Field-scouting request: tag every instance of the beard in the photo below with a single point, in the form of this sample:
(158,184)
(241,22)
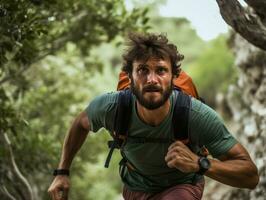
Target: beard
(151,103)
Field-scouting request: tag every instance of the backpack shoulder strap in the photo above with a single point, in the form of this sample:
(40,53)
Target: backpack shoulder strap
(123,113)
(180,122)
(180,118)
(121,122)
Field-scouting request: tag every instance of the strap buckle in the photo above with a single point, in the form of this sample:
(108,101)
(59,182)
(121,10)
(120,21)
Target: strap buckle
(114,144)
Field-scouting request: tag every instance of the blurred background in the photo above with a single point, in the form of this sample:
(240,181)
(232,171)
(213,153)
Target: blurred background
(55,56)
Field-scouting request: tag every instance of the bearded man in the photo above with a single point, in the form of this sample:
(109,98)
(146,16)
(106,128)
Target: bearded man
(165,170)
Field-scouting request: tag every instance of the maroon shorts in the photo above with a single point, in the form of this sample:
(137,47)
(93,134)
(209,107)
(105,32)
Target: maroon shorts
(178,192)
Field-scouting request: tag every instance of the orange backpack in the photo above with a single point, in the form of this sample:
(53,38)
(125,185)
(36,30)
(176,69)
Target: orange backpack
(183,82)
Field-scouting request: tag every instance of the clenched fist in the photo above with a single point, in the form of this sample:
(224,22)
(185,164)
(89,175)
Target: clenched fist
(59,188)
(181,157)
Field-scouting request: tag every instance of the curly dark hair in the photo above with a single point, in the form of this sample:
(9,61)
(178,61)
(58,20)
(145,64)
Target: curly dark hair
(144,46)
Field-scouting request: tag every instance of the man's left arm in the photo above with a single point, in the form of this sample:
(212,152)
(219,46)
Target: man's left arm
(235,168)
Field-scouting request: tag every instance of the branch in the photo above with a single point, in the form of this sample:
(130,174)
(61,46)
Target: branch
(7,193)
(259,7)
(17,172)
(247,25)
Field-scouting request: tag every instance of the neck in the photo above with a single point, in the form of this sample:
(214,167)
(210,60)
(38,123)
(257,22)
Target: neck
(153,117)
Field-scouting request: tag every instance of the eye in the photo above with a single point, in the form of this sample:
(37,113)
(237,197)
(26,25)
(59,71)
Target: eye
(143,70)
(162,70)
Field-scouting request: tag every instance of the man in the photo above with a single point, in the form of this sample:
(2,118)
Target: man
(162,170)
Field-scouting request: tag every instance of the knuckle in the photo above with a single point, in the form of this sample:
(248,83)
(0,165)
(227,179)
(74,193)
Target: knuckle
(177,142)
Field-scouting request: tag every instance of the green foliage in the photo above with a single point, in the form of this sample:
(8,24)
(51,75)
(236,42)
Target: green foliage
(49,105)
(30,31)
(38,94)
(214,70)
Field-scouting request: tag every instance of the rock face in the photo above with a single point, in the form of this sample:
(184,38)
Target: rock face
(247,101)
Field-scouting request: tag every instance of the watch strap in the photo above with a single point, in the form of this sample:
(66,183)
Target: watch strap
(202,171)
(61,172)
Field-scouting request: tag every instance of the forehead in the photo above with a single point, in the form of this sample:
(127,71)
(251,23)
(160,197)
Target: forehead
(153,61)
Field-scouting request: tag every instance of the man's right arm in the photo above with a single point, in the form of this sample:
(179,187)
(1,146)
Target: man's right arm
(72,143)
(74,139)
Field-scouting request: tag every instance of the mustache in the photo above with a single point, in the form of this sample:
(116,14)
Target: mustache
(152,88)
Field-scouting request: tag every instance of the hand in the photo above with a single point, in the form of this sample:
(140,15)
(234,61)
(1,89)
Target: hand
(58,190)
(181,157)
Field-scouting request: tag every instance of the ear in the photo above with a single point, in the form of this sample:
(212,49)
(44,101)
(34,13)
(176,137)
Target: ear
(129,75)
(129,78)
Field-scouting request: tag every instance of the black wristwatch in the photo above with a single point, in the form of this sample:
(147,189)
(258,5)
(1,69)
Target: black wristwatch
(204,165)
(61,172)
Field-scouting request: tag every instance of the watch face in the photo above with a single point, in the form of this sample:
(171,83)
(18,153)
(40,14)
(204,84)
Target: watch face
(205,163)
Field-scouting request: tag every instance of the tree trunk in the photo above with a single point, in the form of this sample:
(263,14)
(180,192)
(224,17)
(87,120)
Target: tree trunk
(247,102)
(247,98)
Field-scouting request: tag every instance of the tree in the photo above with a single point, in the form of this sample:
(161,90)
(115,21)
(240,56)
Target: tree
(30,30)
(247,97)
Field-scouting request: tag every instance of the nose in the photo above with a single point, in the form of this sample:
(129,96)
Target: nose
(152,78)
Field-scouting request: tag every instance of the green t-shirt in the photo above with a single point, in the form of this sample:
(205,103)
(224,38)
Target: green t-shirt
(149,158)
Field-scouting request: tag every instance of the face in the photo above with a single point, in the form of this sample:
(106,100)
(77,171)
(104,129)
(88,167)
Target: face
(151,82)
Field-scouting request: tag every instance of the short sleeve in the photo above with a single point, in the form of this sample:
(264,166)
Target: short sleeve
(210,129)
(217,139)
(101,111)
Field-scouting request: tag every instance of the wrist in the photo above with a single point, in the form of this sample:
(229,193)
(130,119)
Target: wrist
(64,172)
(204,164)
(197,167)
